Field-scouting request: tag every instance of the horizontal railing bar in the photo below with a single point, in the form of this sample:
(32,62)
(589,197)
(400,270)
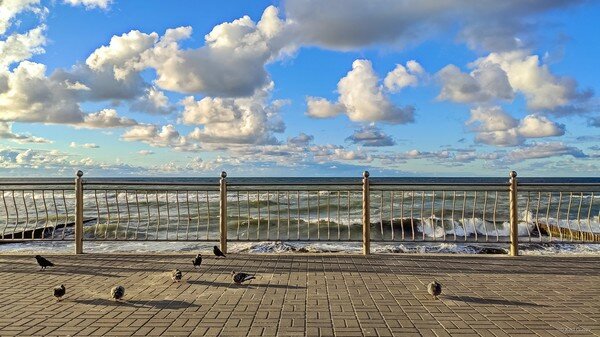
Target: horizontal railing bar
(144,183)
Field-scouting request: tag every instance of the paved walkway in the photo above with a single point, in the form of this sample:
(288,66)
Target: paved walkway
(303,295)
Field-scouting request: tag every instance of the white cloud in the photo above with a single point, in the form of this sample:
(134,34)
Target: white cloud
(145,152)
(402,77)
(165,136)
(89,3)
(362,98)
(122,53)
(20,47)
(541,88)
(31,97)
(153,102)
(231,63)
(329,153)
(10,9)
(318,107)
(106,118)
(251,120)
(85,145)
(483,84)
(496,127)
(536,126)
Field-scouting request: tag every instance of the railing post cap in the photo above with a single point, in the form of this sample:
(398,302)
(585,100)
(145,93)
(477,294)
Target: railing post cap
(79,173)
(513,174)
(366,174)
(223,174)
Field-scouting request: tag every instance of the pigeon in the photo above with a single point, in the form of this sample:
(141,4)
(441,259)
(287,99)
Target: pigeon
(240,278)
(434,289)
(117,293)
(176,275)
(43,262)
(197,261)
(59,292)
(218,252)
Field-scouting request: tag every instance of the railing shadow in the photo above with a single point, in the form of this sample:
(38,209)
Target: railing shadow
(248,285)
(158,304)
(479,300)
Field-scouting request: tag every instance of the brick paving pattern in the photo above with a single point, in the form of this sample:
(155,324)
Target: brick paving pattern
(303,295)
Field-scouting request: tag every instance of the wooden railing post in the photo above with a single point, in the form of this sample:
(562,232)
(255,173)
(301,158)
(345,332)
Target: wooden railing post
(514,217)
(223,211)
(366,209)
(79,213)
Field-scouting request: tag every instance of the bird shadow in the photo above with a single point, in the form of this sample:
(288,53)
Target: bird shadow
(247,285)
(157,304)
(479,300)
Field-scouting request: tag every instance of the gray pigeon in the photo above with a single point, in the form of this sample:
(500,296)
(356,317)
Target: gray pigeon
(197,261)
(434,289)
(218,252)
(117,292)
(240,278)
(59,292)
(43,262)
(176,275)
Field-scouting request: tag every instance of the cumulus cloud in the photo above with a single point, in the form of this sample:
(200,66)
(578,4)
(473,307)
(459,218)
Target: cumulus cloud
(371,136)
(502,75)
(10,9)
(165,136)
(153,102)
(481,85)
(402,76)
(88,4)
(318,107)
(31,97)
(363,99)
(122,53)
(20,47)
(231,63)
(145,152)
(250,120)
(494,126)
(106,118)
(545,150)
(541,88)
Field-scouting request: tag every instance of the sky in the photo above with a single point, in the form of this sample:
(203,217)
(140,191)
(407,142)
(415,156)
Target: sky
(299,88)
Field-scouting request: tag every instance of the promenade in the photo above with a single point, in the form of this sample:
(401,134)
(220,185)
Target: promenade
(302,295)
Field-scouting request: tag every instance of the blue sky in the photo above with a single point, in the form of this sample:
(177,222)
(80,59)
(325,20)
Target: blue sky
(299,88)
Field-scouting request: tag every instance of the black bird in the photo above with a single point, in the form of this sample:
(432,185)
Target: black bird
(59,292)
(218,252)
(434,289)
(240,278)
(43,262)
(197,261)
(176,275)
(117,292)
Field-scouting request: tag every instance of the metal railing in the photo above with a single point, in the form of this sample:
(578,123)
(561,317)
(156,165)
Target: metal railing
(301,210)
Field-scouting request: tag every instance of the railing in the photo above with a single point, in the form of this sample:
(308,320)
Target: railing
(367,211)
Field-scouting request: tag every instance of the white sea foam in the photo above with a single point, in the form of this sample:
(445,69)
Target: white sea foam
(63,247)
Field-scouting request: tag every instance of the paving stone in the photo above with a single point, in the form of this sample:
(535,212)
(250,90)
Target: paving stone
(303,295)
